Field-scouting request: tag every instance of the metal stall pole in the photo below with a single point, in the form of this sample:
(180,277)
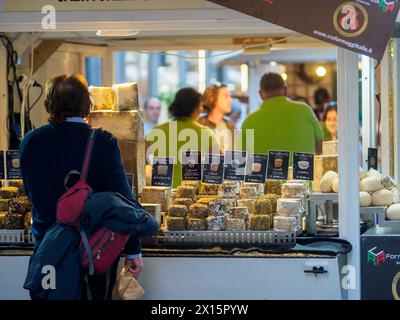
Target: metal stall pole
(396,118)
(349,204)
(368,106)
(3,99)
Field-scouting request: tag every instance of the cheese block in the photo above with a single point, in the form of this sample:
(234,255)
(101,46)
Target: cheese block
(229,189)
(273,198)
(285,223)
(8,192)
(259,186)
(293,190)
(154,209)
(248,203)
(218,207)
(235,224)
(323,164)
(239,213)
(335,185)
(209,189)
(192,183)
(3,219)
(273,187)
(159,195)
(288,207)
(260,222)
(183,201)
(247,192)
(185,192)
(231,202)
(20,205)
(27,220)
(176,223)
(371,184)
(198,210)
(393,212)
(382,197)
(326,183)
(330,148)
(263,206)
(16,183)
(14,221)
(4,204)
(216,223)
(365,199)
(180,211)
(127,96)
(104,98)
(197,224)
(206,199)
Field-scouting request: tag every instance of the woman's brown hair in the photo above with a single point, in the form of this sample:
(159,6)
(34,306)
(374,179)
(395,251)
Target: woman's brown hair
(67,96)
(210,96)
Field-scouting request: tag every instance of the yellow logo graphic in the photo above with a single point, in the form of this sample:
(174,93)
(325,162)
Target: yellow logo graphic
(350,19)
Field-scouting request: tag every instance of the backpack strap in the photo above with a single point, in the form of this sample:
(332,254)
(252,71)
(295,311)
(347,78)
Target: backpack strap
(88,250)
(88,153)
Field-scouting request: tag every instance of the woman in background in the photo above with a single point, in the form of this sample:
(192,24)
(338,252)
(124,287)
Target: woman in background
(181,134)
(329,124)
(217,103)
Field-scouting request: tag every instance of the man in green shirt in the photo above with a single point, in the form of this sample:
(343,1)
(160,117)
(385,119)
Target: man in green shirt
(280,124)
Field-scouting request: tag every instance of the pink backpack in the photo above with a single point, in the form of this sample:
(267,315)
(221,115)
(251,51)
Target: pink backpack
(101,249)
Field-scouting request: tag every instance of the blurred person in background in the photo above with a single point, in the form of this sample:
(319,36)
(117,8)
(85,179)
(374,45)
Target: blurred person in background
(217,103)
(236,113)
(280,123)
(330,124)
(151,111)
(189,136)
(321,100)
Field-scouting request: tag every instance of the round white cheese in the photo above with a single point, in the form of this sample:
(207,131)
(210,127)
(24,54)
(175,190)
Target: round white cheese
(382,197)
(365,199)
(335,185)
(393,212)
(288,207)
(327,181)
(371,184)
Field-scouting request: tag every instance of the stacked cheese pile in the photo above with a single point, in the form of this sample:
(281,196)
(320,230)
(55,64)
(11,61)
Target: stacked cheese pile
(326,168)
(156,200)
(15,207)
(290,206)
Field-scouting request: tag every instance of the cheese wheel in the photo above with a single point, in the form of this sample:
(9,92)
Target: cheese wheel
(327,181)
(365,199)
(371,184)
(288,207)
(335,185)
(393,212)
(382,197)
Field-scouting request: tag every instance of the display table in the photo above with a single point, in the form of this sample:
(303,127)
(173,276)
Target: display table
(214,274)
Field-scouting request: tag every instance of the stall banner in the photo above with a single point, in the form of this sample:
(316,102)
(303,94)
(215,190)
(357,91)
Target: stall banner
(235,165)
(213,169)
(256,170)
(2,172)
(303,166)
(363,26)
(278,165)
(13,165)
(191,165)
(163,171)
(101,5)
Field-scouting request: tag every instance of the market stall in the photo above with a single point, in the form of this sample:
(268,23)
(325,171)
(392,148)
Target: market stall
(224,240)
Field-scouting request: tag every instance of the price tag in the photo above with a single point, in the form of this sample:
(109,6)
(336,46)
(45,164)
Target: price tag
(235,165)
(13,165)
(256,169)
(213,169)
(278,165)
(163,170)
(191,165)
(303,166)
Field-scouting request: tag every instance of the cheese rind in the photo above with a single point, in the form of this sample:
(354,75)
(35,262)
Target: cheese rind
(229,189)
(8,192)
(218,207)
(176,223)
(192,183)
(198,210)
(285,223)
(249,203)
(273,187)
(382,197)
(365,199)
(179,211)
(330,148)
(196,224)
(183,201)
(154,209)
(239,213)
(160,195)
(288,207)
(263,206)
(259,186)
(371,184)
(216,223)
(186,192)
(323,164)
(209,189)
(248,192)
(14,221)
(19,205)
(235,224)
(293,190)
